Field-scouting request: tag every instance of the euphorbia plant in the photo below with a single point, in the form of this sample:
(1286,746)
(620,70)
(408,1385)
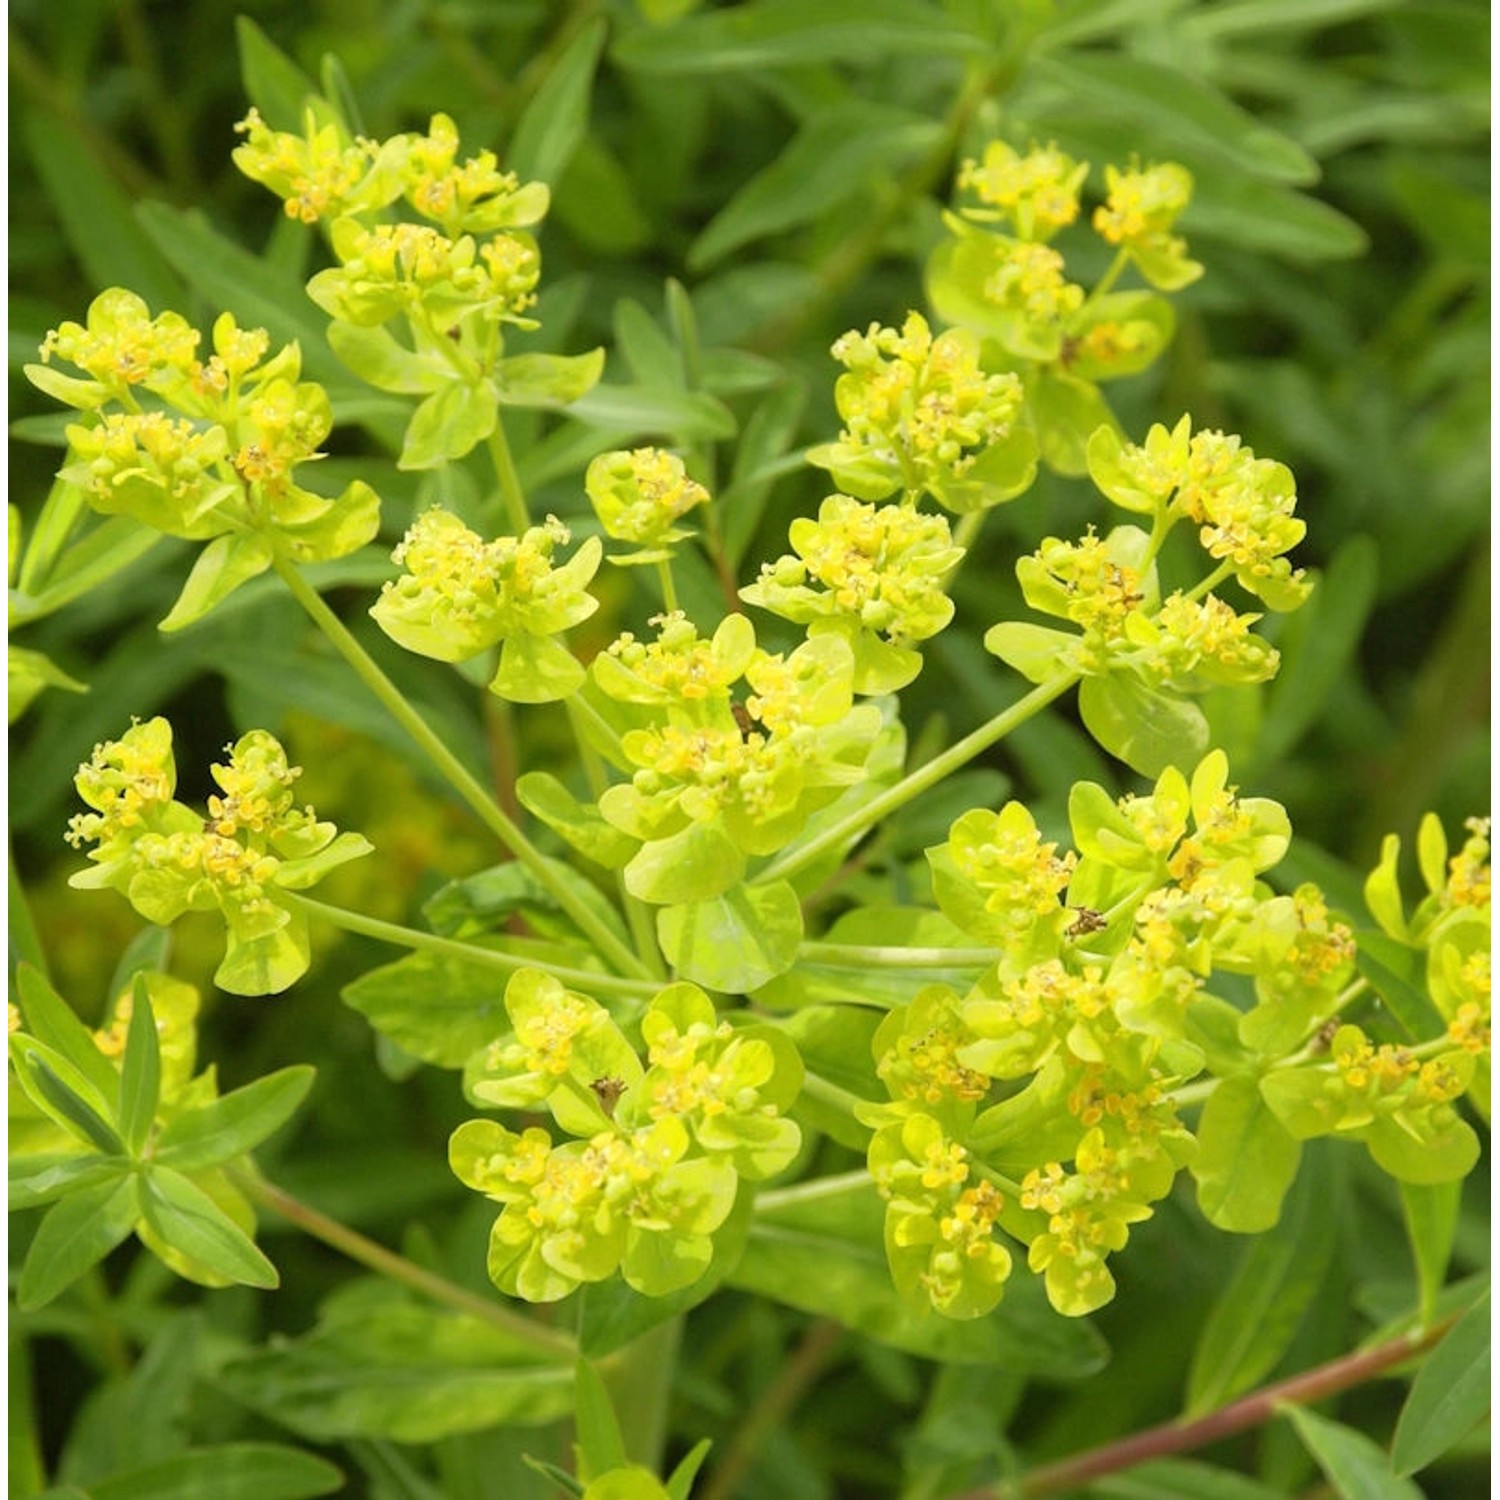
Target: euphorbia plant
(994,1068)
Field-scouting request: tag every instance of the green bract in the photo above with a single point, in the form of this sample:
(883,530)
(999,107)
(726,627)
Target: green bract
(461,595)
(221,471)
(167,859)
(872,575)
(708,791)
(921,416)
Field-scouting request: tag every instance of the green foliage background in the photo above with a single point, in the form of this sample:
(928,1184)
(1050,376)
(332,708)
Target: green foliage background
(786,163)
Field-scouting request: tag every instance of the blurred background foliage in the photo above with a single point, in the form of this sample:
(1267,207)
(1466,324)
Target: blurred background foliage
(786,163)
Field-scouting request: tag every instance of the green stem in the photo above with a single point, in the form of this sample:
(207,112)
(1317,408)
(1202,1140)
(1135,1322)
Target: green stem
(1214,579)
(834,1097)
(799,856)
(1182,1437)
(457,774)
(784,1392)
(810,1192)
(397,1268)
(511,492)
(469,953)
(641,1389)
(1105,283)
(861,955)
(637,915)
(668,587)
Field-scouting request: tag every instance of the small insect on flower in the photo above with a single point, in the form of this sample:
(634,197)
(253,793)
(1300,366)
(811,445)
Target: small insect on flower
(608,1091)
(1085,921)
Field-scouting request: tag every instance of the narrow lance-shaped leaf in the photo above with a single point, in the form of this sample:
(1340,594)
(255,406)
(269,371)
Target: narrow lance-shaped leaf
(1354,1465)
(74,1237)
(140,1072)
(600,1446)
(240,1121)
(64,1095)
(186,1218)
(1450,1395)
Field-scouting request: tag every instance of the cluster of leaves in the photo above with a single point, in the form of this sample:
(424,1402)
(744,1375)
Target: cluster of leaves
(1018,1060)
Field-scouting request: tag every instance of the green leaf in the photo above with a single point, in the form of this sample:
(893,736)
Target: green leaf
(75,1236)
(600,1446)
(735,942)
(65,1095)
(1394,971)
(102,552)
(96,214)
(557,118)
(448,424)
(48,534)
(228,1471)
(52,1020)
(651,411)
(1272,220)
(1192,115)
(830,160)
(547,381)
(378,358)
(577,823)
(37,1180)
(228,1127)
(221,567)
(382,1364)
(1260,1309)
(1430,1211)
(1180,1479)
(697,864)
(1147,729)
(233,279)
(183,1216)
(1246,1158)
(680,1480)
(796,32)
(822,1249)
(612,1314)
(435,1007)
(759,457)
(1353,1464)
(274,84)
(140,1071)
(1317,647)
(1450,1395)
(29,674)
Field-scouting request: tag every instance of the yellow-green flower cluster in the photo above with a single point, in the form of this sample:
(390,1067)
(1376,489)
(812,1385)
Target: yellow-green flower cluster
(1029,281)
(1037,194)
(940,1219)
(662,1147)
(1452,924)
(120,347)
(221,464)
(1138,214)
(1089,1212)
(714,779)
(460,595)
(418,308)
(320,173)
(1094,1009)
(392,269)
(1396,1099)
(639,496)
(473,196)
(1244,506)
(873,575)
(167,859)
(921,416)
